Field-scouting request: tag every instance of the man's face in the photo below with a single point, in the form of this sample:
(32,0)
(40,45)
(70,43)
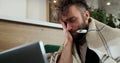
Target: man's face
(74,20)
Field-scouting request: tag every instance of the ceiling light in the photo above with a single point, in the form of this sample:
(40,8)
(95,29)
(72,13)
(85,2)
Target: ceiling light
(54,1)
(108,3)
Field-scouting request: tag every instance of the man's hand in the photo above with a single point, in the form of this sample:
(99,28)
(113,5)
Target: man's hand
(68,36)
(66,55)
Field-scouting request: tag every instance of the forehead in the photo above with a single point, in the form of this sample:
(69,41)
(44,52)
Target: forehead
(72,11)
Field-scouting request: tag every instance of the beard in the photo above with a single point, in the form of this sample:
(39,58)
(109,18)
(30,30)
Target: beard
(78,36)
(75,34)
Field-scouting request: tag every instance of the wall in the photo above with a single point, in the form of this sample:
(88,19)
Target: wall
(32,9)
(114,8)
(13,34)
(36,9)
(111,9)
(92,3)
(15,8)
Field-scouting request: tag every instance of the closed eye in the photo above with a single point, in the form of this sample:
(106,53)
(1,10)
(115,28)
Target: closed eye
(73,19)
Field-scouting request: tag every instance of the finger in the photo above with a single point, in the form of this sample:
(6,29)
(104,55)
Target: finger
(63,25)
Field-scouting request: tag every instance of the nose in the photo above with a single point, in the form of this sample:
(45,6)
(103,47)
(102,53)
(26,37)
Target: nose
(69,27)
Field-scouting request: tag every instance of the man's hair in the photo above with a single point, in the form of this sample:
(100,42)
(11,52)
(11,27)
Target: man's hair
(63,5)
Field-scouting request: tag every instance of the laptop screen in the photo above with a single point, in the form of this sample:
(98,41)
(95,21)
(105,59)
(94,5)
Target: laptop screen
(29,53)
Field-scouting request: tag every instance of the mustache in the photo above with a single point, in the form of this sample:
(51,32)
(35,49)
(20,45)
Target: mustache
(72,31)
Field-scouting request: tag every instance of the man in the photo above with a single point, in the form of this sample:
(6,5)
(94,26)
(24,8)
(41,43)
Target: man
(74,17)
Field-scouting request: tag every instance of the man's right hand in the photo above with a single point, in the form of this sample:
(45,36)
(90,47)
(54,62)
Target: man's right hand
(66,55)
(67,35)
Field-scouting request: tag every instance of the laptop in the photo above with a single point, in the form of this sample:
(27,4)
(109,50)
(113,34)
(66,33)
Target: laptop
(28,53)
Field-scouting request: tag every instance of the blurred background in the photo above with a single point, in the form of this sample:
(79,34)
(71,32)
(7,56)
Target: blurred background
(106,11)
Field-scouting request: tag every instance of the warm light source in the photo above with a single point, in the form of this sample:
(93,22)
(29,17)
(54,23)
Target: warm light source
(54,1)
(108,3)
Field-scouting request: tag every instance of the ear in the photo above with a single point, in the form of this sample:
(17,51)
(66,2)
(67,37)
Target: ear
(86,16)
